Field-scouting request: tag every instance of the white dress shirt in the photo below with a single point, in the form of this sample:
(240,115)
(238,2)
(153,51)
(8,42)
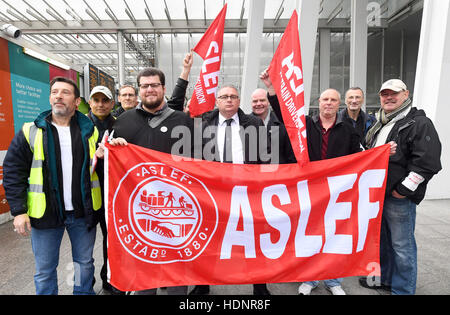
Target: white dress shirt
(237,149)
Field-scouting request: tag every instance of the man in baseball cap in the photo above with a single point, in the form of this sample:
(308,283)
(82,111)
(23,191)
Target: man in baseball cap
(101,102)
(395,85)
(415,161)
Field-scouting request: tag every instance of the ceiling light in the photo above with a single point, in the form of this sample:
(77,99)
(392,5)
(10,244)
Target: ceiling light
(42,57)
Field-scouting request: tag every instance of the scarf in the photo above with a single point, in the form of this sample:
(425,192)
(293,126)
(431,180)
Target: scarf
(384,119)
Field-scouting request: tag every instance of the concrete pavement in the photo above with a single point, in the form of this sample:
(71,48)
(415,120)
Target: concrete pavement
(432,235)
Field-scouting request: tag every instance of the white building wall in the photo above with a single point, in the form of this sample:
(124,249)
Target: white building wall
(433,82)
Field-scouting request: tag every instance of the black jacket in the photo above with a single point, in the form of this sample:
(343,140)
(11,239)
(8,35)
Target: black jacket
(177,99)
(418,150)
(175,102)
(134,125)
(343,139)
(102,125)
(118,111)
(361,125)
(255,151)
(277,133)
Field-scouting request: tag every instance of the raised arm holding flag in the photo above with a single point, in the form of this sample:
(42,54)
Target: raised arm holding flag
(286,74)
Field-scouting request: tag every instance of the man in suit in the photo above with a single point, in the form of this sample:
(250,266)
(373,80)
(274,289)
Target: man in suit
(245,131)
(229,121)
(276,131)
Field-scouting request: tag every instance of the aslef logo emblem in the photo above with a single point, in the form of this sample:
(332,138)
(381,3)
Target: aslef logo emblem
(162,221)
(164,213)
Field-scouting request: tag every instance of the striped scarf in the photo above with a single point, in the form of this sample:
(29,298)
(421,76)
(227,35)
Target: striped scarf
(384,119)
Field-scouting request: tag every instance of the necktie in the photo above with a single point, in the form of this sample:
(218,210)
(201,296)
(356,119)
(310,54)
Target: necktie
(227,145)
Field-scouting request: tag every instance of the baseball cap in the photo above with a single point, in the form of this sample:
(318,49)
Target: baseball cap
(395,85)
(101,89)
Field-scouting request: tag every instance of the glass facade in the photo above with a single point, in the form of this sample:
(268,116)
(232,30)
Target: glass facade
(392,53)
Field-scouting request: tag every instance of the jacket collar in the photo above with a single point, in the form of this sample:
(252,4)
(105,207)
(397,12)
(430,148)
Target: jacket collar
(141,110)
(44,120)
(339,119)
(214,116)
(344,114)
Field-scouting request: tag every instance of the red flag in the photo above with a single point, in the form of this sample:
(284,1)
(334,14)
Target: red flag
(174,222)
(210,49)
(286,74)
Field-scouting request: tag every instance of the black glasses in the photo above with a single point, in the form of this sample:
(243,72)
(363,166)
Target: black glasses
(225,97)
(152,85)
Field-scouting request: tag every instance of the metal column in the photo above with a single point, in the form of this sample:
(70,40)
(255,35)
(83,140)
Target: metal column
(121,52)
(358,45)
(325,62)
(251,70)
(308,22)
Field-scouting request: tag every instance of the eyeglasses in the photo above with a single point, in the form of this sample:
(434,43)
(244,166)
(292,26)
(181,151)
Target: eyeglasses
(225,97)
(152,85)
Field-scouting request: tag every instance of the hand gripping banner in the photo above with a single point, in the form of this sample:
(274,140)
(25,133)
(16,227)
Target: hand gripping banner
(173,223)
(286,74)
(210,49)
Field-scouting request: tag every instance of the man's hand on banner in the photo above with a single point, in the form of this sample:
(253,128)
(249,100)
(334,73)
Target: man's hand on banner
(267,82)
(393,148)
(100,153)
(118,141)
(187,65)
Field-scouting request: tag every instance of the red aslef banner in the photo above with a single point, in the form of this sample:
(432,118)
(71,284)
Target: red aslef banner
(210,49)
(173,222)
(286,74)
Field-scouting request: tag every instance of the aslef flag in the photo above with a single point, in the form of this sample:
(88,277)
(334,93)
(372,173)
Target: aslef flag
(173,223)
(286,74)
(210,49)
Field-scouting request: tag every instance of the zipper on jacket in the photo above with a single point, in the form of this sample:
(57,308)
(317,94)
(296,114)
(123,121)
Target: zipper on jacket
(408,124)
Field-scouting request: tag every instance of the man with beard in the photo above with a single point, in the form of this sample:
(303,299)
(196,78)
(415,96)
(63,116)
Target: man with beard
(50,189)
(150,125)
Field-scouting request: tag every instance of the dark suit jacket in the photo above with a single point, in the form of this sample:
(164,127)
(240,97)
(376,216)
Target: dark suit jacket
(278,136)
(253,137)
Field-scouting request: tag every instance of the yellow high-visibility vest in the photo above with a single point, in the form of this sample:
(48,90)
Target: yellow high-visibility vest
(36,200)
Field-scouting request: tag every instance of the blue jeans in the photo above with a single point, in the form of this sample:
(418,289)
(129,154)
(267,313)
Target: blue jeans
(398,250)
(46,244)
(329,283)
